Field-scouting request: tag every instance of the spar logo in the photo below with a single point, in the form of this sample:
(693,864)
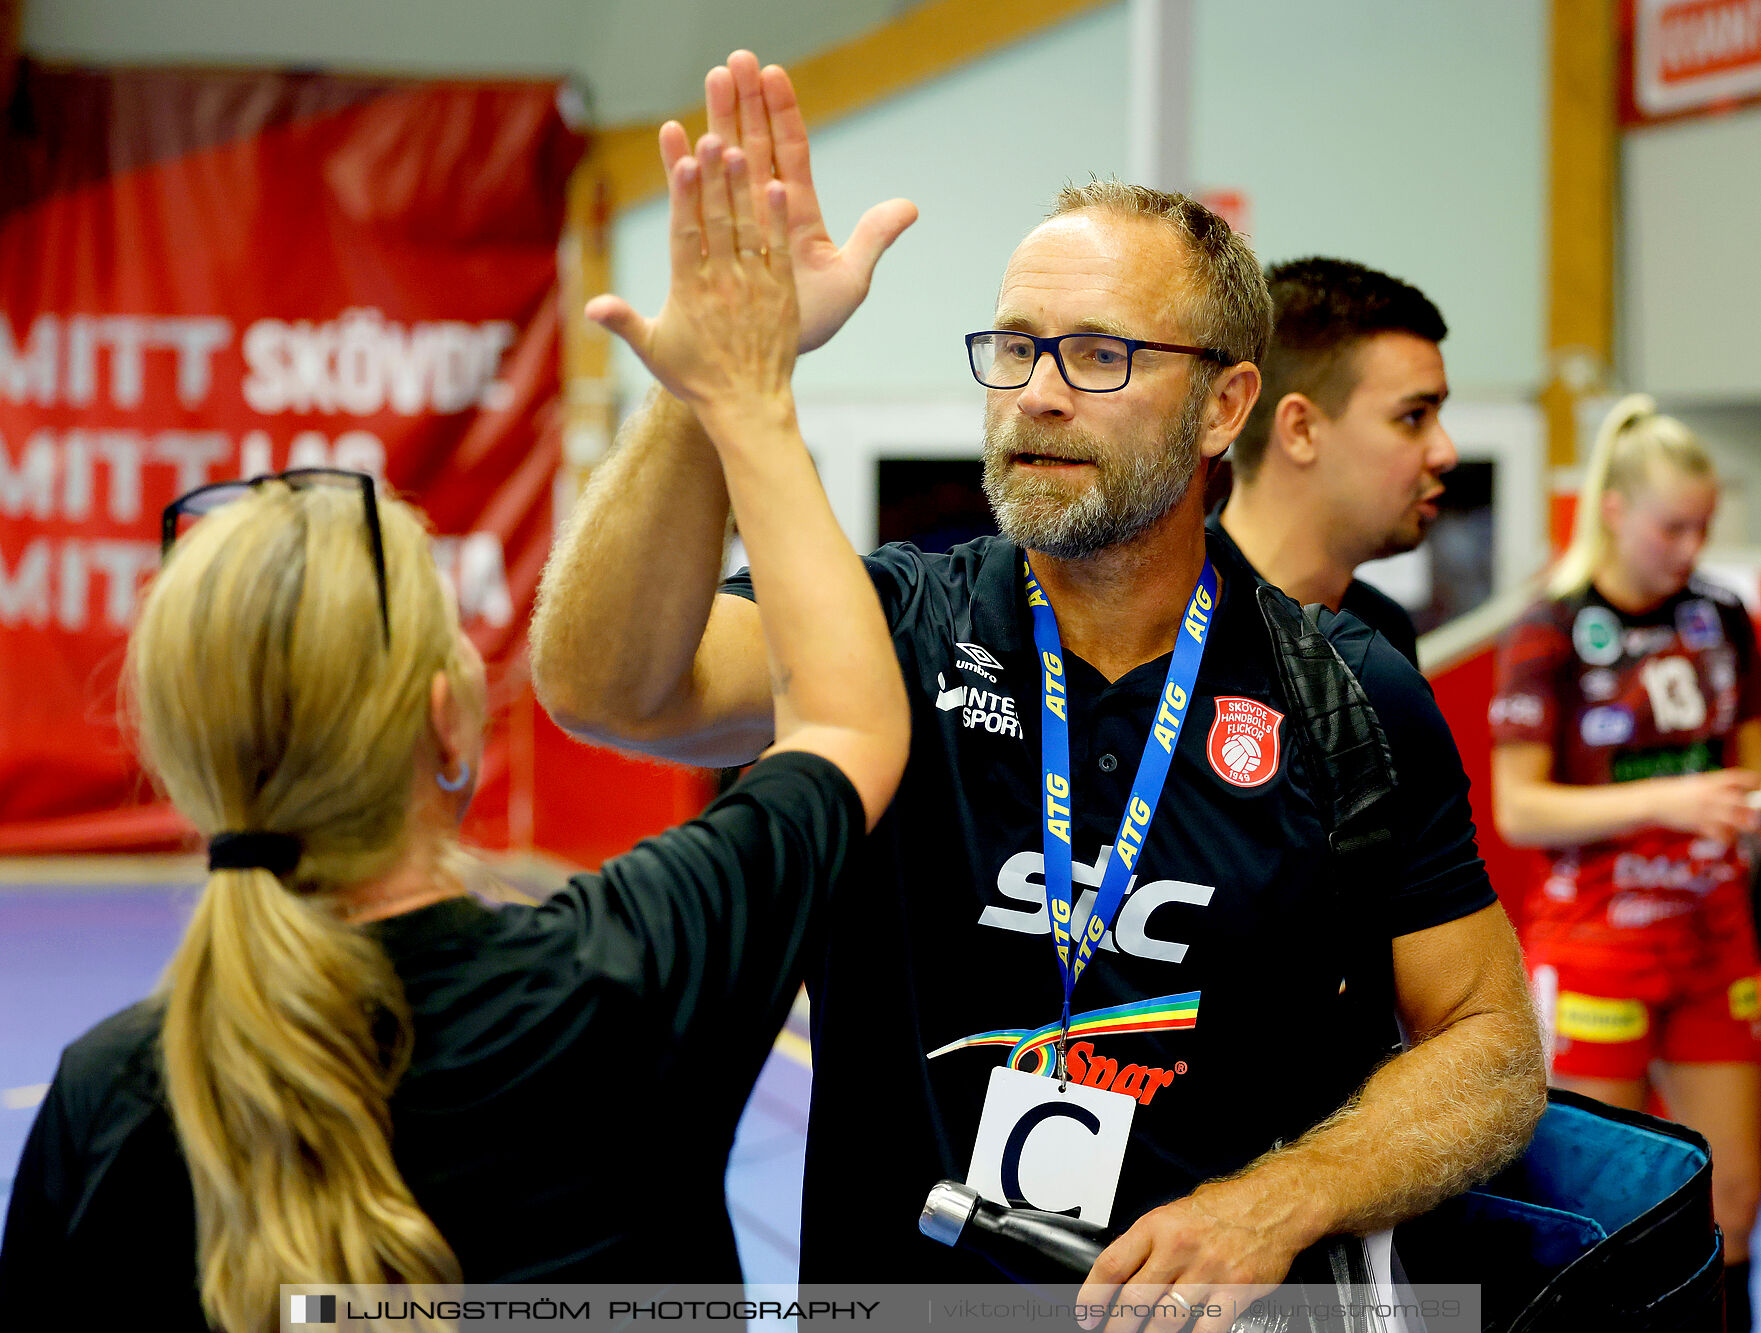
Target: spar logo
(1035,1049)
(1243,747)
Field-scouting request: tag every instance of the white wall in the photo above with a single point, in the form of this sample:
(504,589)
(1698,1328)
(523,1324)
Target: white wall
(1690,292)
(387,35)
(646,58)
(1409,136)
(1066,91)
(1691,253)
(640,61)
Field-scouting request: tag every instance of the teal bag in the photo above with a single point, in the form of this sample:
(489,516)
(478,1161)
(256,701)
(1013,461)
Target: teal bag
(1604,1223)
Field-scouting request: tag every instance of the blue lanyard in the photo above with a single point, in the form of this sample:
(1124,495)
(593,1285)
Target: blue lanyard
(1146,788)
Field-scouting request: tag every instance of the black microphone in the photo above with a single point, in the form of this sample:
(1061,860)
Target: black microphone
(1016,1240)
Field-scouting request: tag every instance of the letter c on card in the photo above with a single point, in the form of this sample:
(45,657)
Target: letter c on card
(1017,1141)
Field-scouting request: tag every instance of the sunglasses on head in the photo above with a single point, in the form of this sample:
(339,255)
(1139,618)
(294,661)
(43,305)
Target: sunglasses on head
(205,499)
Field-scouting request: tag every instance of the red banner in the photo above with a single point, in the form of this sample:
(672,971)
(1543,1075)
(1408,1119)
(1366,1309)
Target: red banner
(213,275)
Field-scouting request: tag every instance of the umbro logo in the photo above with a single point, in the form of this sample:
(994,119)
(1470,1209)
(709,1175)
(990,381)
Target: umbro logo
(982,662)
(980,655)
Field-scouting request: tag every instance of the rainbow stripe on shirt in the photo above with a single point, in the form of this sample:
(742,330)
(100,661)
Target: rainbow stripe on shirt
(1165,1013)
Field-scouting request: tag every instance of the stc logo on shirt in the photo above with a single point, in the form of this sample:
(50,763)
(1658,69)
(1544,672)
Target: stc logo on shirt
(1022,879)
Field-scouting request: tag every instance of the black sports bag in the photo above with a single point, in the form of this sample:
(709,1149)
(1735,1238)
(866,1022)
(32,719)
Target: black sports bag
(1605,1222)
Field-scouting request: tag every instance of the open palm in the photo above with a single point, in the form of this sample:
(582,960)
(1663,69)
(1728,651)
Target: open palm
(756,111)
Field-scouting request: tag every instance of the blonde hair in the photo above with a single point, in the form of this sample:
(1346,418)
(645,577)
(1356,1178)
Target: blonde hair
(266,700)
(1633,439)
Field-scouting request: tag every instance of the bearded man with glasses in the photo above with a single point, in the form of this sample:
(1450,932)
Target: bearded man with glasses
(1022,857)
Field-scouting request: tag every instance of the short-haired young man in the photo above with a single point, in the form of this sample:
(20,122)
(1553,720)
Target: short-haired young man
(1342,458)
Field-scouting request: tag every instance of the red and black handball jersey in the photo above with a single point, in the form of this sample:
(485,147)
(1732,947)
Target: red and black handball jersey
(1618,698)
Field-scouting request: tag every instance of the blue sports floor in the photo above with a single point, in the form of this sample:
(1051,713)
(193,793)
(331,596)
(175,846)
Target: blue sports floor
(72,952)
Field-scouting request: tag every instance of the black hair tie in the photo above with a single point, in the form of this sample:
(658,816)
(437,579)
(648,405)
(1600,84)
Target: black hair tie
(277,853)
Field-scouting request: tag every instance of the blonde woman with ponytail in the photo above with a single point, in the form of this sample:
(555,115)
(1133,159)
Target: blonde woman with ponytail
(355,1072)
(1627,742)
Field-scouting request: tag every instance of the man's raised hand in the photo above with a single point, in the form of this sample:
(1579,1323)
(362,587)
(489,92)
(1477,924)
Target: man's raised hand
(725,339)
(756,110)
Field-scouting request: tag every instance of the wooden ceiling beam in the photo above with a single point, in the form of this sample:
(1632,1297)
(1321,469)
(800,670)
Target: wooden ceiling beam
(1582,170)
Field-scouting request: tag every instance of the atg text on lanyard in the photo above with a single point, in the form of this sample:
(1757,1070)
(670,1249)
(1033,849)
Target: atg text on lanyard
(1146,788)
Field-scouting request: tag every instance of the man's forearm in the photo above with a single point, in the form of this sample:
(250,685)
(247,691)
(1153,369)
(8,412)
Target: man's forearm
(607,646)
(1426,1125)
(834,678)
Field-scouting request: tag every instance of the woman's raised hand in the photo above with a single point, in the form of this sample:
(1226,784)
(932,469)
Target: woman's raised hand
(725,338)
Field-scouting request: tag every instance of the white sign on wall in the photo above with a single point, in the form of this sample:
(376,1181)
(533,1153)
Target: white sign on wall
(1693,53)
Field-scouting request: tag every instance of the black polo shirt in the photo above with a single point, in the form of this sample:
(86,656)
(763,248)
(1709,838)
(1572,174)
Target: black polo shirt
(578,1071)
(1371,605)
(1384,615)
(940,932)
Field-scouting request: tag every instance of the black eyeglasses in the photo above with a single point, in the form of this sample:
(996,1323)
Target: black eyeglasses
(206,499)
(1091,362)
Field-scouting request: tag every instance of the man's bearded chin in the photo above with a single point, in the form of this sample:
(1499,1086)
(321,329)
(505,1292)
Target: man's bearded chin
(1123,499)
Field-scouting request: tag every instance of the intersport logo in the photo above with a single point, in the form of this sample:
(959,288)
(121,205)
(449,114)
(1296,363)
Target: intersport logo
(980,709)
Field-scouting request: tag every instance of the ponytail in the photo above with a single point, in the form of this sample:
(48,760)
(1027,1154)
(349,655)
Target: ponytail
(1632,438)
(285,1032)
